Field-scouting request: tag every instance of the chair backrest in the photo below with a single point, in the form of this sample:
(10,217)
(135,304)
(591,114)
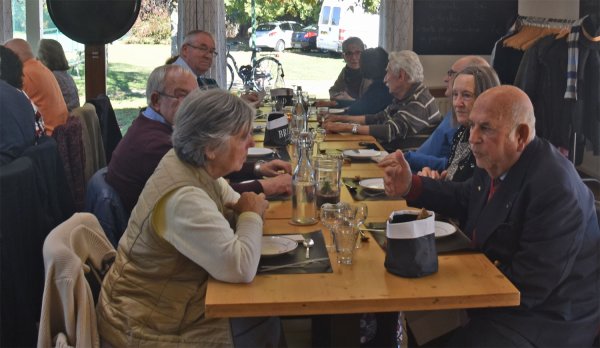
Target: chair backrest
(95,158)
(68,137)
(111,133)
(103,201)
(68,305)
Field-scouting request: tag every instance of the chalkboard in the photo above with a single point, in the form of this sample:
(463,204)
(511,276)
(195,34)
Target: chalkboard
(460,27)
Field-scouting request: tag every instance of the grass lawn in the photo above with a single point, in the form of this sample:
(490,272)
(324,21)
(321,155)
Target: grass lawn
(130,65)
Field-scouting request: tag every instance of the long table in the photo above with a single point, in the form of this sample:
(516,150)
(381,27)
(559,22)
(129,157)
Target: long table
(464,280)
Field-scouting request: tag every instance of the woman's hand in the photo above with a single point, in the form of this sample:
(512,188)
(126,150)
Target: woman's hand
(275,167)
(434,174)
(250,201)
(277,185)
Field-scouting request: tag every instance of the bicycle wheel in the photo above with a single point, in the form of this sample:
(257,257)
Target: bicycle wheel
(230,76)
(265,72)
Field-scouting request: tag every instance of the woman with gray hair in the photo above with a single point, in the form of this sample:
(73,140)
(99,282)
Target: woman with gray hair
(189,224)
(468,85)
(51,53)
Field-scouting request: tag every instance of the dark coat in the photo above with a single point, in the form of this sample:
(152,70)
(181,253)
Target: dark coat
(540,228)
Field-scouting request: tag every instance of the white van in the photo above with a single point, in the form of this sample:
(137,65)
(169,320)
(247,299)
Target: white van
(341,19)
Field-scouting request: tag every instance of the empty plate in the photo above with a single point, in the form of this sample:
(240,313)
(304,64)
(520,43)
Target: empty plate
(259,151)
(374,184)
(443,229)
(276,245)
(361,153)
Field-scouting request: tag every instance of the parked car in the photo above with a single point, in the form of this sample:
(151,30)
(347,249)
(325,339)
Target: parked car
(275,35)
(305,39)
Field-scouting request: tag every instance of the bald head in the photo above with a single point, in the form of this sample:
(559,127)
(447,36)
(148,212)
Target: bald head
(459,65)
(21,48)
(512,105)
(502,125)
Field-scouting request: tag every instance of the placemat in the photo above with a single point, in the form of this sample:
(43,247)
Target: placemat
(317,252)
(454,242)
(360,194)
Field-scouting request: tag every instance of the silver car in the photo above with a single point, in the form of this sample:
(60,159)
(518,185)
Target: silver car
(275,35)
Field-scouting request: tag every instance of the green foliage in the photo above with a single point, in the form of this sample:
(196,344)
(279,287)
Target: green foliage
(153,28)
(18,12)
(302,11)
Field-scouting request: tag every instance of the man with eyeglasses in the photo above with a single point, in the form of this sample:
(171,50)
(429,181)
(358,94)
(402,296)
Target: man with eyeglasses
(148,139)
(434,152)
(350,82)
(197,53)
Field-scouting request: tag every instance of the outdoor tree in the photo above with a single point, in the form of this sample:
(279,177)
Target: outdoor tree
(302,11)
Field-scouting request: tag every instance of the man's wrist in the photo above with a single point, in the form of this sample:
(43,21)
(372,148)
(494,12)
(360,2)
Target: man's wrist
(257,172)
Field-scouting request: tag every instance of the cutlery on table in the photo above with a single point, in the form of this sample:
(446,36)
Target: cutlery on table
(292,265)
(308,243)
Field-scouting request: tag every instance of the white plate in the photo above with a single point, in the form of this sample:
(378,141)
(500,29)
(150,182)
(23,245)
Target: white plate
(375,184)
(443,229)
(361,153)
(336,111)
(259,151)
(275,245)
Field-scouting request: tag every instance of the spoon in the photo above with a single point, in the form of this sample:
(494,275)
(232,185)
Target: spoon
(308,243)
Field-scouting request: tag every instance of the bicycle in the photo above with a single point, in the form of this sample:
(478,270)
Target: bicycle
(260,76)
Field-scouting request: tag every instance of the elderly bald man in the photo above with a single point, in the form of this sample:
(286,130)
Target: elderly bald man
(41,86)
(528,211)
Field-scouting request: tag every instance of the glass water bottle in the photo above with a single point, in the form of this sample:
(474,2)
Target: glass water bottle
(304,205)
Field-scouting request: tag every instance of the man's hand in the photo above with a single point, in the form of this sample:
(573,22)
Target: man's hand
(434,174)
(398,177)
(342,96)
(336,127)
(275,167)
(277,185)
(335,118)
(250,201)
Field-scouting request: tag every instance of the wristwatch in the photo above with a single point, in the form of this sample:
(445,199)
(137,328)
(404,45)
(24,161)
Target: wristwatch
(257,172)
(354,128)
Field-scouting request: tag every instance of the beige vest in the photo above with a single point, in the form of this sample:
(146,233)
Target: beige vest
(153,295)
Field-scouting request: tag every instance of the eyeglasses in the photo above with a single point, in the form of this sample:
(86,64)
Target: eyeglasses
(451,72)
(352,53)
(178,97)
(204,49)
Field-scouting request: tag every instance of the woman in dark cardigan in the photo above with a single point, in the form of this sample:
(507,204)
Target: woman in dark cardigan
(468,85)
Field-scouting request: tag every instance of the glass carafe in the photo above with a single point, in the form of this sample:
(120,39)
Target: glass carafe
(304,205)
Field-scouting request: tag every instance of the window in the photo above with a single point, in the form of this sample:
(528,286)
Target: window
(325,17)
(335,18)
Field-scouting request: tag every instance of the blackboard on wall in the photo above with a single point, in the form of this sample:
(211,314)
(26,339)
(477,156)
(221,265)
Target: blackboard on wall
(460,27)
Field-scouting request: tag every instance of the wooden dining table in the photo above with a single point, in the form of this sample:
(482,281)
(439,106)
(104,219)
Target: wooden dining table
(463,280)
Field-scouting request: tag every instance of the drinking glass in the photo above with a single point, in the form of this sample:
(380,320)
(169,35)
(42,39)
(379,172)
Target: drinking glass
(330,216)
(328,175)
(345,234)
(359,218)
(319,136)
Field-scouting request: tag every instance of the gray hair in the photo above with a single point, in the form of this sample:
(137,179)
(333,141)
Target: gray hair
(407,61)
(352,41)
(484,77)
(158,76)
(189,37)
(206,120)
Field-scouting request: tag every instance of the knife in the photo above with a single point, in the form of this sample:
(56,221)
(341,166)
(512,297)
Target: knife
(292,265)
